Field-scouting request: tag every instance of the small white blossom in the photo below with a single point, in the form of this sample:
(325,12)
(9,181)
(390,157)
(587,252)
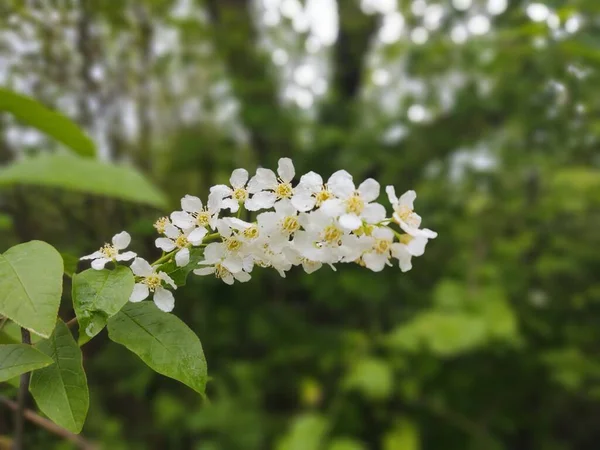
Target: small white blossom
(279,226)
(379,253)
(195,214)
(223,265)
(351,205)
(110,252)
(311,192)
(178,239)
(152,281)
(268,188)
(404,214)
(232,197)
(408,247)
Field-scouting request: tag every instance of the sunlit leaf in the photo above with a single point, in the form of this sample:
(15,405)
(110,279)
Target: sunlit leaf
(16,359)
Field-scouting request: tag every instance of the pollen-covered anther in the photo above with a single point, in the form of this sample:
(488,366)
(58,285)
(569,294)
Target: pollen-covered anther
(251,232)
(152,281)
(290,224)
(382,246)
(233,244)
(221,271)
(355,204)
(181,241)
(203,218)
(240,194)
(332,234)
(161,224)
(109,251)
(322,196)
(284,190)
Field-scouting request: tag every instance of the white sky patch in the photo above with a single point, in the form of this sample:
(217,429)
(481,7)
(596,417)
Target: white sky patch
(462,5)
(538,12)
(479,24)
(391,29)
(496,7)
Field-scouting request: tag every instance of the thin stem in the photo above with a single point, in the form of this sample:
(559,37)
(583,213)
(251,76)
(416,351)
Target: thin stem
(49,426)
(163,258)
(23,388)
(72,322)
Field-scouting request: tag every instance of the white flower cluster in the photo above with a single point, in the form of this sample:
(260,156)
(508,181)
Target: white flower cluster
(310,224)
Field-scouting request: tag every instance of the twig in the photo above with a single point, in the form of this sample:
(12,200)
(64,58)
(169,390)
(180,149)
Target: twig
(72,322)
(23,388)
(50,426)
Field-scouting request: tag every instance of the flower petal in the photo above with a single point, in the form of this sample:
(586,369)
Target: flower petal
(242,277)
(141,267)
(373,213)
(205,271)
(375,261)
(196,236)
(369,190)
(391,193)
(140,292)
(127,256)
(167,279)
(182,219)
(97,254)
(416,246)
(182,257)
(231,204)
(340,184)
(99,263)
(400,252)
(165,244)
(121,240)
(407,199)
(264,179)
(311,181)
(333,207)
(285,169)
(171,231)
(238,178)
(350,221)
(191,203)
(261,200)
(303,201)
(164,299)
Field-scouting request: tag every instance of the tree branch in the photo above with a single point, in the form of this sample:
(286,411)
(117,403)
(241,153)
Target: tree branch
(22,396)
(46,424)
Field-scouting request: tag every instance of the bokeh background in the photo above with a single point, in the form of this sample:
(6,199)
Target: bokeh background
(489,109)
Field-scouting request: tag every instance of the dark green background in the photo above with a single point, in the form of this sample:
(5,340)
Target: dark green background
(490,342)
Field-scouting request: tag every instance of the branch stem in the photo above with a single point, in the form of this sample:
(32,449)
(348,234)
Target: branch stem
(22,396)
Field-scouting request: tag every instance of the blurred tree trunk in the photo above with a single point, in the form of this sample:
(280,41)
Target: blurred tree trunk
(270,127)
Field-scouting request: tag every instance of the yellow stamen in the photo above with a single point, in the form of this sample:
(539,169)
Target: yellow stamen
(332,234)
(161,224)
(290,224)
(251,232)
(153,281)
(109,251)
(284,190)
(355,204)
(240,194)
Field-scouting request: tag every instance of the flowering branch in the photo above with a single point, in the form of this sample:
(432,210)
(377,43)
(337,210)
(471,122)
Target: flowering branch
(309,224)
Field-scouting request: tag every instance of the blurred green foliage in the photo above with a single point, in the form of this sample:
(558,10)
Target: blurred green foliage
(490,342)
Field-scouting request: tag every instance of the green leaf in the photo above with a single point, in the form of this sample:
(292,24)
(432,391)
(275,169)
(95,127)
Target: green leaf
(162,341)
(308,432)
(98,295)
(371,376)
(31,286)
(404,436)
(52,123)
(83,175)
(346,444)
(16,359)
(60,390)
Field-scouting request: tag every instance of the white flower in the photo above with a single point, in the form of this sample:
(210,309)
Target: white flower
(295,258)
(408,247)
(268,188)
(311,191)
(231,197)
(353,205)
(152,281)
(279,225)
(323,239)
(223,265)
(110,252)
(181,240)
(195,214)
(378,256)
(404,214)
